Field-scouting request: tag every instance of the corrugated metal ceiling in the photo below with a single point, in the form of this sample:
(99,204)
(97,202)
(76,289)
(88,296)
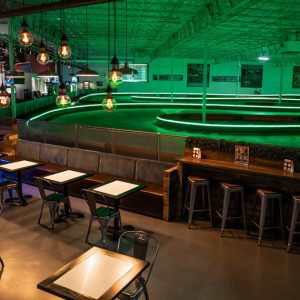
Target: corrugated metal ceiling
(226,29)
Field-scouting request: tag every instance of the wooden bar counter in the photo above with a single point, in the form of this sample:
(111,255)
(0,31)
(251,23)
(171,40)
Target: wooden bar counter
(250,176)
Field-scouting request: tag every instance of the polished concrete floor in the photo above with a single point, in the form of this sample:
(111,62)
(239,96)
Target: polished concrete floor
(192,264)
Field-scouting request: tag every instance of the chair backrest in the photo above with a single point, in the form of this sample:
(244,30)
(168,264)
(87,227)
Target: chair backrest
(139,244)
(1,267)
(92,198)
(41,182)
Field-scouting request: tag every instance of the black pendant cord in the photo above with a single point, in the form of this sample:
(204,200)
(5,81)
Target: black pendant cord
(108,36)
(115,26)
(87,38)
(61,16)
(126,17)
(42,28)
(63,21)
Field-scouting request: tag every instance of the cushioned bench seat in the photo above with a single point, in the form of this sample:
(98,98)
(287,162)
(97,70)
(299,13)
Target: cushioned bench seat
(158,199)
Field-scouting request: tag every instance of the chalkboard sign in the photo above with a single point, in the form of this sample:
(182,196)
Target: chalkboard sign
(252,76)
(195,75)
(296,77)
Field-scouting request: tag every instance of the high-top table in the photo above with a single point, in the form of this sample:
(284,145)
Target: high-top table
(63,179)
(96,274)
(19,167)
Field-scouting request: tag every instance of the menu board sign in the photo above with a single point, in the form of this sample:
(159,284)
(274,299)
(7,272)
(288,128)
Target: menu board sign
(251,76)
(241,155)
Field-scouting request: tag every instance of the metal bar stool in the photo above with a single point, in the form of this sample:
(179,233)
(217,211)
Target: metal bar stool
(9,186)
(265,197)
(230,190)
(190,197)
(295,215)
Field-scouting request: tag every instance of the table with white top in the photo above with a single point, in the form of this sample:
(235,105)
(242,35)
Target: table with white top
(117,190)
(63,179)
(96,274)
(18,167)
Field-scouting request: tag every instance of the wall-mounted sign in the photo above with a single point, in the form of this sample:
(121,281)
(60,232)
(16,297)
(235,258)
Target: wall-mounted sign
(167,77)
(195,75)
(225,78)
(252,76)
(296,77)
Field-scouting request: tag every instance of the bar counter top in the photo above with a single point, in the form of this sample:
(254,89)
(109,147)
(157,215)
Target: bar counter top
(232,166)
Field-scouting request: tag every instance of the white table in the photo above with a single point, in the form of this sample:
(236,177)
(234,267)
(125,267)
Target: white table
(96,274)
(19,167)
(64,178)
(117,190)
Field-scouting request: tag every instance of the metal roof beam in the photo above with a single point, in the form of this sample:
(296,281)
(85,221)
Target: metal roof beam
(48,7)
(212,13)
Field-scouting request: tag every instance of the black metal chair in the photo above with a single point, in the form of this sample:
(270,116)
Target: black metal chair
(2,267)
(9,186)
(52,200)
(142,245)
(103,213)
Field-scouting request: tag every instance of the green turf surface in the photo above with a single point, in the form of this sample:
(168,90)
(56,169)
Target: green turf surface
(144,119)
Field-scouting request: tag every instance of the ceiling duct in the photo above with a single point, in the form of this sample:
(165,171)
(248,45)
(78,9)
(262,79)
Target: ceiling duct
(292,43)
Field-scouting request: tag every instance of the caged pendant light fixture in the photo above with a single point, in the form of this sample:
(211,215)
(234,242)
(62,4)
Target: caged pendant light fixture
(64,50)
(63,100)
(87,72)
(108,103)
(42,57)
(115,75)
(25,37)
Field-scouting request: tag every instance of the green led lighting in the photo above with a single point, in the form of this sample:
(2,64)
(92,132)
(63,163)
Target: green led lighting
(225,125)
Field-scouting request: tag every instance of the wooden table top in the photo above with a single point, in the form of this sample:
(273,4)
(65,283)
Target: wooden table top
(232,166)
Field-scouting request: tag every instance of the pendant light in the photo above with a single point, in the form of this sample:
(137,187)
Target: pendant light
(24,36)
(63,100)
(4,96)
(115,75)
(108,103)
(87,72)
(42,57)
(47,74)
(126,70)
(64,50)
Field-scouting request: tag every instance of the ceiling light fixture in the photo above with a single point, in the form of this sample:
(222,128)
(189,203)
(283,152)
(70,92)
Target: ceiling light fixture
(63,100)
(115,75)
(126,70)
(24,36)
(47,74)
(64,50)
(87,72)
(263,58)
(42,57)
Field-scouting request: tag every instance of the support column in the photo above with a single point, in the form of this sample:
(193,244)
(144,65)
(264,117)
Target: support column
(172,74)
(205,75)
(11,66)
(280,84)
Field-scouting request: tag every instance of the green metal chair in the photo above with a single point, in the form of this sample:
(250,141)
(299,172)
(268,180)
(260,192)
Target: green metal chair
(9,186)
(2,267)
(101,213)
(52,200)
(142,245)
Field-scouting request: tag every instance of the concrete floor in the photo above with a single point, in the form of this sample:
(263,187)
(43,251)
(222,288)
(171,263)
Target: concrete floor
(192,264)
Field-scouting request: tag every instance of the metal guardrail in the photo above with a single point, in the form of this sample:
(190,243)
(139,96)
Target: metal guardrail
(156,146)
